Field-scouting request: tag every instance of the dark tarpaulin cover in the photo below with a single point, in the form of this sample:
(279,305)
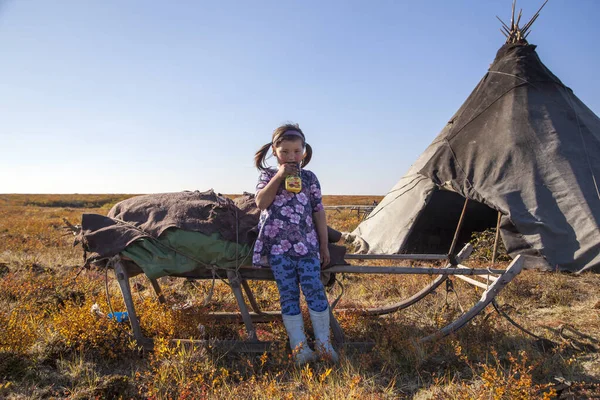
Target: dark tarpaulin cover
(149,216)
(525,145)
(522,144)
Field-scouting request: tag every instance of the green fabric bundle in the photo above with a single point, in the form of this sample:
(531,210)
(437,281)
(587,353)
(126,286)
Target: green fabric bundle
(191,250)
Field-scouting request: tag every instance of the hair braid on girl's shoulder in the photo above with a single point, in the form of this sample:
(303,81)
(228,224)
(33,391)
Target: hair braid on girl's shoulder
(307,155)
(259,157)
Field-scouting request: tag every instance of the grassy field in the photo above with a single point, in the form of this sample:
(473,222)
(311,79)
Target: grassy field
(51,346)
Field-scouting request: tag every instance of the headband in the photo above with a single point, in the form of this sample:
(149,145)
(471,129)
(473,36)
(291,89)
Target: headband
(293,133)
(289,133)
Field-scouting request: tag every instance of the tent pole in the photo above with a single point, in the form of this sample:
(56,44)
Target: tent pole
(451,257)
(496,239)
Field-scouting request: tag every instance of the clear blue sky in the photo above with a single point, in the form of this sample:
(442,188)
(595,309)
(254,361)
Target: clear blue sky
(113,96)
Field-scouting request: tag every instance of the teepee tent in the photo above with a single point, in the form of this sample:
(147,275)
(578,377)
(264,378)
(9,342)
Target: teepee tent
(523,145)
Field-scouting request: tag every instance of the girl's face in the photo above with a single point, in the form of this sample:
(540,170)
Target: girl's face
(289,151)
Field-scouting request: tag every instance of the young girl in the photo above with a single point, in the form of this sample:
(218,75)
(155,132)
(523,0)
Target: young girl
(292,239)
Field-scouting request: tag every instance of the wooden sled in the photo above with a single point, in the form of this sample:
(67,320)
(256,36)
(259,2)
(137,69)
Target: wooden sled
(492,281)
(497,279)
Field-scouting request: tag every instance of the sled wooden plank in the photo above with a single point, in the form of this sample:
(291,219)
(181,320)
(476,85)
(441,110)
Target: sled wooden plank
(473,282)
(263,316)
(350,206)
(396,256)
(487,276)
(369,269)
(483,285)
(513,270)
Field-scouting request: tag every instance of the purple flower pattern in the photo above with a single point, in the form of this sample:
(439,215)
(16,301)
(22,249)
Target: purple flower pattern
(295,219)
(287,226)
(300,248)
(271,231)
(302,198)
(276,250)
(279,201)
(287,211)
(312,238)
(315,190)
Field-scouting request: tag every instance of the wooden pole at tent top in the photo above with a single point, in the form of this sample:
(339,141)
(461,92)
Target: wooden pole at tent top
(515,33)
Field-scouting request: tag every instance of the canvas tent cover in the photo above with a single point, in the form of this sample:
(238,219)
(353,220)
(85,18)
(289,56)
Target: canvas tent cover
(522,144)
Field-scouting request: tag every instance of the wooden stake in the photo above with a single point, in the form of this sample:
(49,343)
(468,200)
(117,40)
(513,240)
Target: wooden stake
(506,26)
(455,239)
(538,11)
(496,239)
(530,23)
(534,17)
(519,18)
(512,16)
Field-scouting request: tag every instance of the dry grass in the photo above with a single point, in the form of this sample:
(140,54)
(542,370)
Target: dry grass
(52,347)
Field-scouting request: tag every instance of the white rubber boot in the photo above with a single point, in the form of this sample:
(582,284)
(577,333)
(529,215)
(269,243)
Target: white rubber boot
(320,323)
(295,329)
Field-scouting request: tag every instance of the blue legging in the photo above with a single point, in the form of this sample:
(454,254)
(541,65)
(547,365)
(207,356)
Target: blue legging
(288,272)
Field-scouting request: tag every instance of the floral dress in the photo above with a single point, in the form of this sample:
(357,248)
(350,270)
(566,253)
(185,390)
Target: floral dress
(286,227)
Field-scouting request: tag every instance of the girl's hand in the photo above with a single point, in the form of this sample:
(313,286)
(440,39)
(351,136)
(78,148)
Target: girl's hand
(287,169)
(325,257)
